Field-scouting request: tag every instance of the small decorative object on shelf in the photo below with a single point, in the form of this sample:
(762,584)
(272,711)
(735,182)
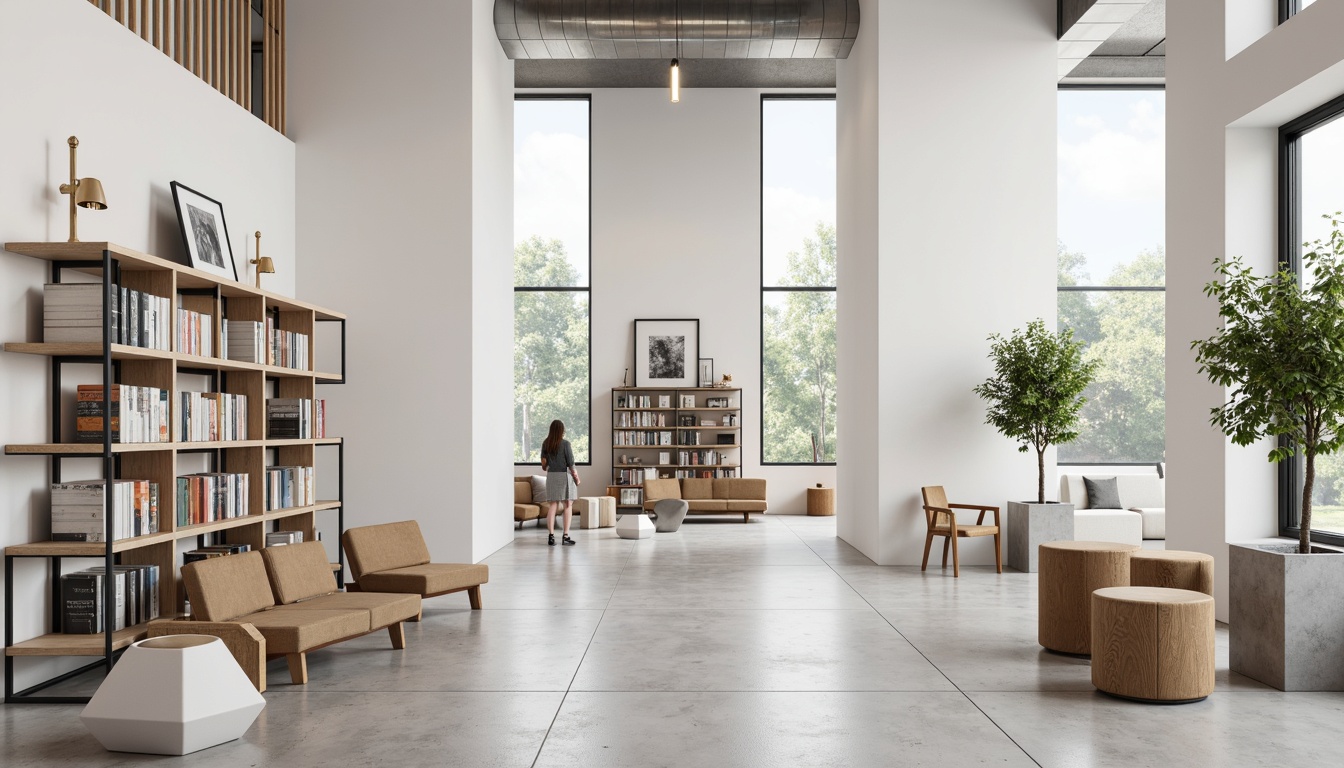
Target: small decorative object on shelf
(84,193)
(204,232)
(725,382)
(706,371)
(264,264)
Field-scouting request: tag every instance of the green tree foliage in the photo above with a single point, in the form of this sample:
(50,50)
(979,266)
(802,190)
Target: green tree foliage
(1280,356)
(799,356)
(550,350)
(1037,388)
(1125,332)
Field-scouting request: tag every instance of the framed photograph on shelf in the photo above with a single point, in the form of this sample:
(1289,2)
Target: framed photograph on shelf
(687,401)
(666,353)
(632,497)
(706,371)
(664,401)
(686,419)
(716,402)
(204,232)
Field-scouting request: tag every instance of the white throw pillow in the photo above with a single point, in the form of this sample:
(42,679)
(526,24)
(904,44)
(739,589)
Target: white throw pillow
(538,489)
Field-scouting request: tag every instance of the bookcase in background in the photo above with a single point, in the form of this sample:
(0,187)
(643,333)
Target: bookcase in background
(163,462)
(649,424)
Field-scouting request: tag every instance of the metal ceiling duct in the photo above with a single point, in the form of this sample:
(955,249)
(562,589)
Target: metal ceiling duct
(649,29)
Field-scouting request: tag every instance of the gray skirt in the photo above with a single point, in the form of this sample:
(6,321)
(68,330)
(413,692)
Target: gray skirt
(560,487)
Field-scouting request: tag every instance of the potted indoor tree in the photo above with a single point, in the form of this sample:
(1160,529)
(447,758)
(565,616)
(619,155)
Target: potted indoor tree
(1034,397)
(1280,357)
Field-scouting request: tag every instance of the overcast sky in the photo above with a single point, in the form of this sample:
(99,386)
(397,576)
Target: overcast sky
(550,175)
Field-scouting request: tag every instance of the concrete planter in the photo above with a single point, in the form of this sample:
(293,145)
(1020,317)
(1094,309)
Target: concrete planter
(1030,525)
(1287,616)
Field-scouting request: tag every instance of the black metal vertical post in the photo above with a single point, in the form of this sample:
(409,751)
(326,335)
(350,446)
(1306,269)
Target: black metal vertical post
(57,623)
(9,627)
(109,585)
(340,498)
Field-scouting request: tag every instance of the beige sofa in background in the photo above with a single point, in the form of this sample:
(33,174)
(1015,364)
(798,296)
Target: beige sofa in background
(706,496)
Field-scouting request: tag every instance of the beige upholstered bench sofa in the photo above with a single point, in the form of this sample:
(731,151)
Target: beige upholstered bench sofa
(705,496)
(393,558)
(289,595)
(524,507)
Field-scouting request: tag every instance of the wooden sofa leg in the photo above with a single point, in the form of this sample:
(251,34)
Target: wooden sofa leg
(398,635)
(419,615)
(298,668)
(746,517)
(474,594)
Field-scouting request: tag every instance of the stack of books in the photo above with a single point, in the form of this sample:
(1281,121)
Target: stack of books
(637,476)
(214,550)
(78,510)
(706,473)
(210,496)
(640,419)
(288,349)
(289,418)
(624,438)
(136,592)
(283,538)
(139,414)
(244,341)
(73,312)
(288,487)
(195,333)
(210,416)
(695,458)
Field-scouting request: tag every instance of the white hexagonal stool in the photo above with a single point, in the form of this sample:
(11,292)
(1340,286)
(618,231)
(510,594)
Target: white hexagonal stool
(172,696)
(635,525)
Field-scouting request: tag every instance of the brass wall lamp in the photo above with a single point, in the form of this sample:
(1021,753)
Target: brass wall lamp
(84,193)
(264,264)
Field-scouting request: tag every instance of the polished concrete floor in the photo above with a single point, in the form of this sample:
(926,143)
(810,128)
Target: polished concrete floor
(769,644)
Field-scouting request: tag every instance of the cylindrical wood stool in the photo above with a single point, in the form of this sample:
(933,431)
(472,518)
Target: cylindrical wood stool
(1070,571)
(1172,568)
(820,502)
(1153,644)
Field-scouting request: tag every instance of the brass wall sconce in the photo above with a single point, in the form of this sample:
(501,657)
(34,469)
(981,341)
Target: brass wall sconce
(84,193)
(264,264)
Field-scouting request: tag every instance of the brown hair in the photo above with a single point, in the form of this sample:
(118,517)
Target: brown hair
(552,442)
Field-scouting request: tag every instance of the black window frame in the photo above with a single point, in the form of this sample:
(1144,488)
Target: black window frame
(1288,9)
(586,289)
(760,309)
(1291,470)
(1104,288)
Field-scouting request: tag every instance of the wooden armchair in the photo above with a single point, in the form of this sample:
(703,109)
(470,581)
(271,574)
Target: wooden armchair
(941,518)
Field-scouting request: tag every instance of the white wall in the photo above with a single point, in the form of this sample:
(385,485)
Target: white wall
(142,121)
(961,244)
(1222,120)
(676,232)
(403,119)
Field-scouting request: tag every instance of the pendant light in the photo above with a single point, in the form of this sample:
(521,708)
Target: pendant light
(676,66)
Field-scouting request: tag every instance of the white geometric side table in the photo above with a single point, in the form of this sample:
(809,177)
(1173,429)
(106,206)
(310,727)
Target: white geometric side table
(635,525)
(172,696)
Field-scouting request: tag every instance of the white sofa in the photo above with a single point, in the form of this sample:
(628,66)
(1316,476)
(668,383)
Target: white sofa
(1143,513)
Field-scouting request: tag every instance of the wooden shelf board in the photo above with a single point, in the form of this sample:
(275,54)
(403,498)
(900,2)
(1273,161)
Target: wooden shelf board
(133,260)
(323,377)
(83,449)
(88,349)
(701,445)
(650,408)
(57,644)
(303,441)
(674,466)
(653,390)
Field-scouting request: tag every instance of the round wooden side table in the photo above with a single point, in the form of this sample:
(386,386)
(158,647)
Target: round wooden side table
(1153,644)
(1070,571)
(820,502)
(1172,568)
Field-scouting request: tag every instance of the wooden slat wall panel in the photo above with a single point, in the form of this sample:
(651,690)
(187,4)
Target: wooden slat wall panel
(213,40)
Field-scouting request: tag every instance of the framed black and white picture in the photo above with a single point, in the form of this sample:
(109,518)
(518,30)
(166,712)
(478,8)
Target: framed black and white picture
(204,232)
(667,353)
(706,371)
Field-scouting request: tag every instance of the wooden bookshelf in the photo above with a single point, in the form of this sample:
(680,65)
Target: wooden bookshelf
(729,455)
(163,462)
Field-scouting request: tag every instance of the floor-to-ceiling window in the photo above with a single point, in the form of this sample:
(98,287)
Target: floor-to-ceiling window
(798,280)
(1112,267)
(1312,188)
(551,263)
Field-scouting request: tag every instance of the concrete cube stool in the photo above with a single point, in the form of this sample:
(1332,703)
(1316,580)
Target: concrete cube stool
(1153,644)
(1172,568)
(635,525)
(596,511)
(1070,571)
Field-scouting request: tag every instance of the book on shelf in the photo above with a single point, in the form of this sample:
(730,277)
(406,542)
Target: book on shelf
(210,496)
(73,312)
(81,603)
(634,401)
(289,418)
(694,458)
(195,333)
(635,439)
(288,487)
(81,598)
(78,510)
(640,419)
(139,414)
(707,473)
(286,349)
(214,550)
(211,416)
(283,538)
(244,341)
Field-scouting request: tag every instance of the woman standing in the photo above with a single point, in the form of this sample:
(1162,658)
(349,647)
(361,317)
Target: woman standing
(557,458)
